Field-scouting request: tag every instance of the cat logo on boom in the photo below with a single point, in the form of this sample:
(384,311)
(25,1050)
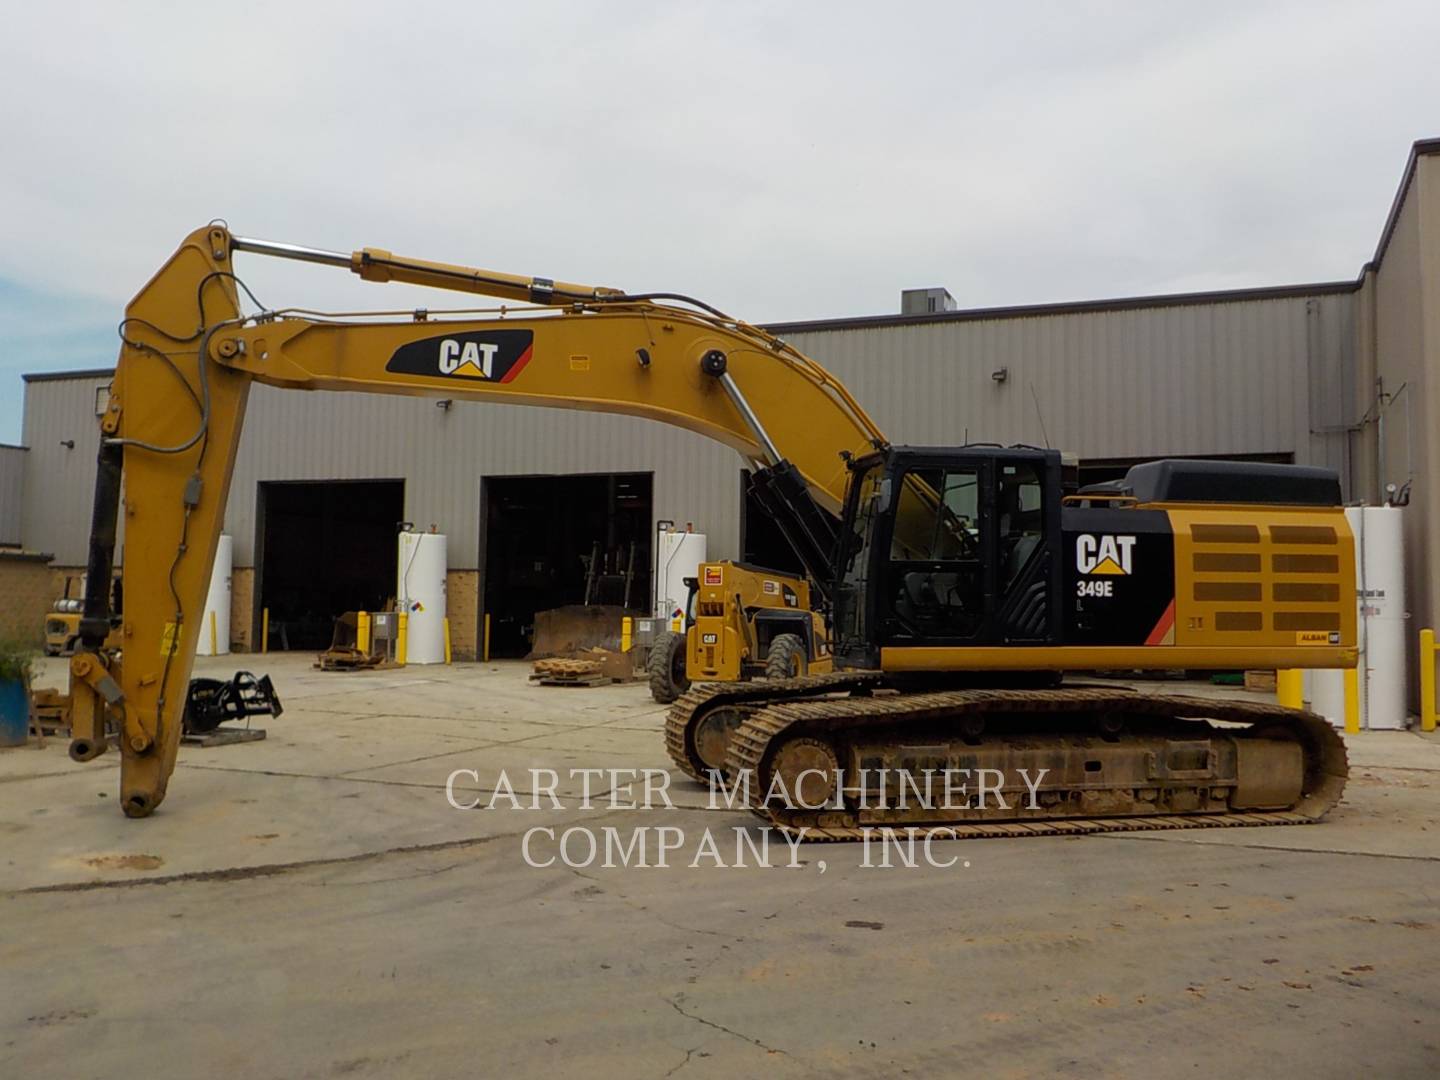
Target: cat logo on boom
(495,356)
(475,359)
(1104,554)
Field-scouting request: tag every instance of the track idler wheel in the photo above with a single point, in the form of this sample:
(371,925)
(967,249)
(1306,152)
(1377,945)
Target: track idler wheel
(712,736)
(808,769)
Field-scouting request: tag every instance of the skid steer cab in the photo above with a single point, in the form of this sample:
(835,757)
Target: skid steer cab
(742,622)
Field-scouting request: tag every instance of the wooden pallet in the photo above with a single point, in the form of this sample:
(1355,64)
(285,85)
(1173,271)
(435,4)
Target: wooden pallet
(49,713)
(569,680)
(562,671)
(351,660)
(560,666)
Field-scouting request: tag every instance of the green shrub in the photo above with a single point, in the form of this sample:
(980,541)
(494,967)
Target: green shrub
(16,659)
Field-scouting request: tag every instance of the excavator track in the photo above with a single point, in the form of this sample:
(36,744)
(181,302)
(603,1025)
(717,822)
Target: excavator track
(703,700)
(1274,755)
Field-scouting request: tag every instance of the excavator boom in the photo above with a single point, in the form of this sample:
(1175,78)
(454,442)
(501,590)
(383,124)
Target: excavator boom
(189,357)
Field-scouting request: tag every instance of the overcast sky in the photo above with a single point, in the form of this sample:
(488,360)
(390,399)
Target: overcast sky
(780,160)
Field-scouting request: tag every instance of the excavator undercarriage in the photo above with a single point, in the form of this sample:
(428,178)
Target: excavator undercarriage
(835,757)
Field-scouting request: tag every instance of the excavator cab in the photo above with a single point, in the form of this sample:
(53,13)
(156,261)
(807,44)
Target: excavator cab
(948,546)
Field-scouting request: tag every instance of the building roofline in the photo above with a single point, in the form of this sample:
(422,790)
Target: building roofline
(1017,311)
(1030,311)
(57,376)
(1418,149)
(21,555)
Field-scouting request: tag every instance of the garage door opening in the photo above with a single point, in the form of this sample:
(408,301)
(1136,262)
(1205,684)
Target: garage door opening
(324,548)
(539,537)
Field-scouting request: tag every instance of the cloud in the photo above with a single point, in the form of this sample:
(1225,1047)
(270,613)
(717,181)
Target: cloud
(782,161)
(42,331)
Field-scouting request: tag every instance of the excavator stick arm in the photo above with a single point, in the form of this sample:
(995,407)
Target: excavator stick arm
(189,356)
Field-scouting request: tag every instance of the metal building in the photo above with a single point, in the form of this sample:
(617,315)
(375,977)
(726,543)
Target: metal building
(12,485)
(1344,374)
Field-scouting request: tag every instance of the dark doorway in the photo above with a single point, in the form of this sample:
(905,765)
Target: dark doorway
(538,535)
(761,541)
(325,547)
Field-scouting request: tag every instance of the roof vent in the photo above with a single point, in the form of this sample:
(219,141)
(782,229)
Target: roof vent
(926,301)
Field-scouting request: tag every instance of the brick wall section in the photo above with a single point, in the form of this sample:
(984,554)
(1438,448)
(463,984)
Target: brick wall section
(26,594)
(462,604)
(242,609)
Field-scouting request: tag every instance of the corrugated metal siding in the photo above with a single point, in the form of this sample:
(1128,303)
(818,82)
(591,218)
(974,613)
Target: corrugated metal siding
(1407,351)
(1223,378)
(1226,378)
(60,482)
(12,487)
(443,454)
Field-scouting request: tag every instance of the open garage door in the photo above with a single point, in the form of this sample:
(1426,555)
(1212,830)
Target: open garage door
(540,536)
(324,548)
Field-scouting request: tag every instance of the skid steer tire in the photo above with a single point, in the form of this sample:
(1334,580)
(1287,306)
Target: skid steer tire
(666,667)
(787,658)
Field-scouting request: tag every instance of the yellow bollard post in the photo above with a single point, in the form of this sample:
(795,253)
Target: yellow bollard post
(403,628)
(627,633)
(1352,701)
(214,636)
(1427,680)
(447,639)
(265,630)
(486,653)
(362,632)
(1290,688)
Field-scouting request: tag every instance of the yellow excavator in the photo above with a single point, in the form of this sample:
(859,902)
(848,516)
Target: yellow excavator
(960,583)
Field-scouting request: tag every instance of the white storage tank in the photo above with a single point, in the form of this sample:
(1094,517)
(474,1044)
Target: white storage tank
(1382,623)
(420,593)
(215,623)
(678,555)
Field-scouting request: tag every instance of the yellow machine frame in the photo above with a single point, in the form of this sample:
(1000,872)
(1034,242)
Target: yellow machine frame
(189,357)
(728,638)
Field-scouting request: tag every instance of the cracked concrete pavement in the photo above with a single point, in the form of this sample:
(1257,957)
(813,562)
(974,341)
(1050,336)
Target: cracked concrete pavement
(310,905)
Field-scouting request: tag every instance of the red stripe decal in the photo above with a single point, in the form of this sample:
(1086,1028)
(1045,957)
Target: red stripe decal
(524,359)
(1167,620)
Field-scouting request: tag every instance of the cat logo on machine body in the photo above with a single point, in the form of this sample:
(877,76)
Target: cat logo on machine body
(1112,555)
(495,356)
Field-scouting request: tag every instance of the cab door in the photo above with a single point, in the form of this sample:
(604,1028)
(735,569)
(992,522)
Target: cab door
(971,552)
(1026,551)
(938,579)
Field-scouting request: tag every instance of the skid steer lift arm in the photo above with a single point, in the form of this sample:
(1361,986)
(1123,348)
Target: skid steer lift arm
(189,356)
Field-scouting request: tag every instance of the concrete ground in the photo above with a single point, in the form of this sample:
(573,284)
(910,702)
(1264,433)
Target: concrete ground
(311,905)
